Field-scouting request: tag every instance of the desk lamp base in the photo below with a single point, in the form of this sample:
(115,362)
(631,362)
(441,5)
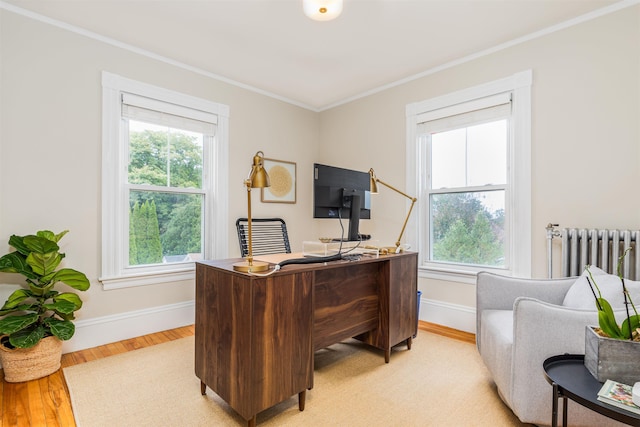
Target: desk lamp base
(254,267)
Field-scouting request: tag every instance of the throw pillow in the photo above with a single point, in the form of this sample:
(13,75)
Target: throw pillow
(579,294)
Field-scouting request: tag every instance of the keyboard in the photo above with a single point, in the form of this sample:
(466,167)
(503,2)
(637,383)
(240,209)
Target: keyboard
(362,237)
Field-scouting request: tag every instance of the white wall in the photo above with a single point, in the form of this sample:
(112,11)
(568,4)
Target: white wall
(585,140)
(50,164)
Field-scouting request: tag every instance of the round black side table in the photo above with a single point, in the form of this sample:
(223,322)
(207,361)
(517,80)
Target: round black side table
(571,380)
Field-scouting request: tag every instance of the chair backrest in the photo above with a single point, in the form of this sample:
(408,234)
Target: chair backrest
(269,236)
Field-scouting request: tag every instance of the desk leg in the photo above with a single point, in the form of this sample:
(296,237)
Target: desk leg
(554,406)
(302,397)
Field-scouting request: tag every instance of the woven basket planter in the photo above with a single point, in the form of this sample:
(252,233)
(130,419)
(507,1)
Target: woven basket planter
(26,364)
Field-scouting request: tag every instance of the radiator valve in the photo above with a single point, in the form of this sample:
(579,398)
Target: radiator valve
(552,232)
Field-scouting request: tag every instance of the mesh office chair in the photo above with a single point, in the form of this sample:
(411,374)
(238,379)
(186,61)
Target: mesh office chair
(269,236)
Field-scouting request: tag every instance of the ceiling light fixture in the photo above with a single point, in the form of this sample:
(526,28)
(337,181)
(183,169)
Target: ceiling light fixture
(322,10)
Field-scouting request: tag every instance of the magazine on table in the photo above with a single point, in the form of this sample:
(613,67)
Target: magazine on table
(619,395)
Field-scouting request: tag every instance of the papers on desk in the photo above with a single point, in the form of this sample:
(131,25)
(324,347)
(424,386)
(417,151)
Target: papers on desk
(276,258)
(619,395)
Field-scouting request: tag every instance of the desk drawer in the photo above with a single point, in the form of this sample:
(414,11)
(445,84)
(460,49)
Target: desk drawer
(346,302)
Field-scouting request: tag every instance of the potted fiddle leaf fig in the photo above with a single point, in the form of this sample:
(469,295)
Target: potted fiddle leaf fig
(37,318)
(612,351)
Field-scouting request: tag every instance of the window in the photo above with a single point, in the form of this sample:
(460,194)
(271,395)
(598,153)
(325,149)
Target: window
(164,196)
(472,151)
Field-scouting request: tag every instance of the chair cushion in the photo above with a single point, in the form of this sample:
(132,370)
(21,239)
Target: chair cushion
(580,294)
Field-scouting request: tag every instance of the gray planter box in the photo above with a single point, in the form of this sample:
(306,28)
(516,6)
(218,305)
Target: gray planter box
(610,359)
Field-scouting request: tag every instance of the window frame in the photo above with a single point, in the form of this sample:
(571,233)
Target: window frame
(518,169)
(488,113)
(115,272)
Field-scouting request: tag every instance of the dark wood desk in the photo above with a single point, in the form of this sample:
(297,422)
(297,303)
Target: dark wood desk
(255,335)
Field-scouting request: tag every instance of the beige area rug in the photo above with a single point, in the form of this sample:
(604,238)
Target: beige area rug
(439,382)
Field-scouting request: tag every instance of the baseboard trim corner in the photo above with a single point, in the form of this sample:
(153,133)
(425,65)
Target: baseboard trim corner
(113,328)
(455,316)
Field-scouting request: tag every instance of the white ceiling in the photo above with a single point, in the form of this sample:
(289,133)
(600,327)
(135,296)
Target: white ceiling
(272,47)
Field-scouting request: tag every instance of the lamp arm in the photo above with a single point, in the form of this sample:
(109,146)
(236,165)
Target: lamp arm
(406,220)
(396,190)
(413,202)
(250,248)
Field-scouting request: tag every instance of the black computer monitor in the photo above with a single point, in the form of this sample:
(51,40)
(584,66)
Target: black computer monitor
(341,193)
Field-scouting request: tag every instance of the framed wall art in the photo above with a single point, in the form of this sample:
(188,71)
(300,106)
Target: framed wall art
(282,176)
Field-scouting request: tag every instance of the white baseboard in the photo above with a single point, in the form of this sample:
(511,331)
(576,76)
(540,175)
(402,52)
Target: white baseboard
(460,317)
(118,327)
(107,329)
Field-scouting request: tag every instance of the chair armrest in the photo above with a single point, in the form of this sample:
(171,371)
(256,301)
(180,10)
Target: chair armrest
(496,292)
(542,330)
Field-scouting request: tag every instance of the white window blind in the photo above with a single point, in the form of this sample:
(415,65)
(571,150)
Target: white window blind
(476,111)
(149,110)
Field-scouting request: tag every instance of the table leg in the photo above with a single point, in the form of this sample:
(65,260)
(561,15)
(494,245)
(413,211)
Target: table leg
(554,406)
(203,388)
(564,411)
(252,422)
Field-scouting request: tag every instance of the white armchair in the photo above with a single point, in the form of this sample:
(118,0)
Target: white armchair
(520,323)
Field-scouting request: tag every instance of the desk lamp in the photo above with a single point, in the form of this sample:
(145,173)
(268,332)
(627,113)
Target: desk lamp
(258,178)
(373,187)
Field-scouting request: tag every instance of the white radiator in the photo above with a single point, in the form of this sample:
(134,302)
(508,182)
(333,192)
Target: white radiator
(599,247)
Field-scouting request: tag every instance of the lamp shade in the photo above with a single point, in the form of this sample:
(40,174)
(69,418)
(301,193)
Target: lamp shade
(373,182)
(258,177)
(322,10)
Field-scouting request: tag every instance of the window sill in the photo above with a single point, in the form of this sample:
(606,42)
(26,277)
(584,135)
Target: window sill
(143,279)
(458,274)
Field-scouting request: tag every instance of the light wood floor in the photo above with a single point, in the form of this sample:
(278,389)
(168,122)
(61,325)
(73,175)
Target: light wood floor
(45,402)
